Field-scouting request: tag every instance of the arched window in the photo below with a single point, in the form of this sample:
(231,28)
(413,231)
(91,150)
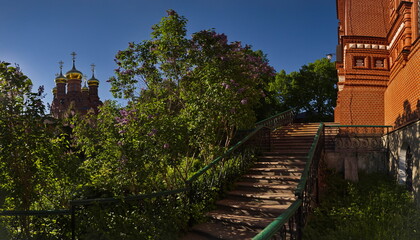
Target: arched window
(405,167)
(409,169)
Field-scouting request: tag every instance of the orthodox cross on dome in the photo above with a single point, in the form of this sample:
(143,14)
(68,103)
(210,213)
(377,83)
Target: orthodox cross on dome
(73,54)
(92,66)
(61,65)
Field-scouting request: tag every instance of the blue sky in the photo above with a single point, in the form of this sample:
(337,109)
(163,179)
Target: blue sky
(38,34)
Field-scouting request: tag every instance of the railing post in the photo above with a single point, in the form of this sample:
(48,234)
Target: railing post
(300,224)
(189,201)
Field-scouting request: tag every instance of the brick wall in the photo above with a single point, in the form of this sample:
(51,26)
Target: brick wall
(361,105)
(364,18)
(404,88)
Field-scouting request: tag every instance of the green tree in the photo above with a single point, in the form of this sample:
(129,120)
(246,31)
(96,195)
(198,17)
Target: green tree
(32,164)
(197,92)
(311,90)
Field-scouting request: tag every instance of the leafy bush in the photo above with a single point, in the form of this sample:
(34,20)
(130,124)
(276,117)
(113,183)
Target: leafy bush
(374,208)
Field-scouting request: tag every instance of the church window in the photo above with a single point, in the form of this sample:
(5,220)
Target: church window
(359,61)
(379,63)
(409,169)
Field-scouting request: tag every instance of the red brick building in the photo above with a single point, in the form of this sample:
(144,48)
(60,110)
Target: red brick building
(378,62)
(69,92)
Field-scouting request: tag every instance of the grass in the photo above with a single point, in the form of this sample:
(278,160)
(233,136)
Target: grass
(375,208)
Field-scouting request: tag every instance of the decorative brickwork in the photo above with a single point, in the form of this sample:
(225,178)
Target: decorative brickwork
(379,72)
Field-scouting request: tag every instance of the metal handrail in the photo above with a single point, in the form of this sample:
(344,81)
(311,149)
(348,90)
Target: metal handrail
(225,154)
(290,112)
(35,212)
(82,202)
(303,179)
(281,220)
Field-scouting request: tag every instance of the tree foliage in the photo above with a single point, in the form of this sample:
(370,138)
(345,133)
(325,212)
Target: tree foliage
(311,90)
(34,164)
(197,92)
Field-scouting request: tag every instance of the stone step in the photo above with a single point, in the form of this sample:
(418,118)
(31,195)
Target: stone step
(306,136)
(297,130)
(288,151)
(284,153)
(277,168)
(268,178)
(273,172)
(258,208)
(281,158)
(283,197)
(294,140)
(224,231)
(195,236)
(241,219)
(291,146)
(279,164)
(285,159)
(267,186)
(297,142)
(291,152)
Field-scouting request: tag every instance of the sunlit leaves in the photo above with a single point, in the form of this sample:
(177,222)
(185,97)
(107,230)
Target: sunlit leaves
(311,90)
(188,97)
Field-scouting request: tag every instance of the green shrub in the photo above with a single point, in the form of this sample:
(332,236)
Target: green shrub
(374,208)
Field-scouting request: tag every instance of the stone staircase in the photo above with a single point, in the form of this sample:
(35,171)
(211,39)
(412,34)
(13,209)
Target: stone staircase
(265,192)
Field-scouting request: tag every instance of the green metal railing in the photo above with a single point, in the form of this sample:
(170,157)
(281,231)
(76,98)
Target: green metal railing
(47,224)
(281,223)
(312,162)
(224,155)
(280,119)
(36,213)
(259,137)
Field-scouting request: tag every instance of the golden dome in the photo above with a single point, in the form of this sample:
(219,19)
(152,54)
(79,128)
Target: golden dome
(93,81)
(54,90)
(60,78)
(74,74)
